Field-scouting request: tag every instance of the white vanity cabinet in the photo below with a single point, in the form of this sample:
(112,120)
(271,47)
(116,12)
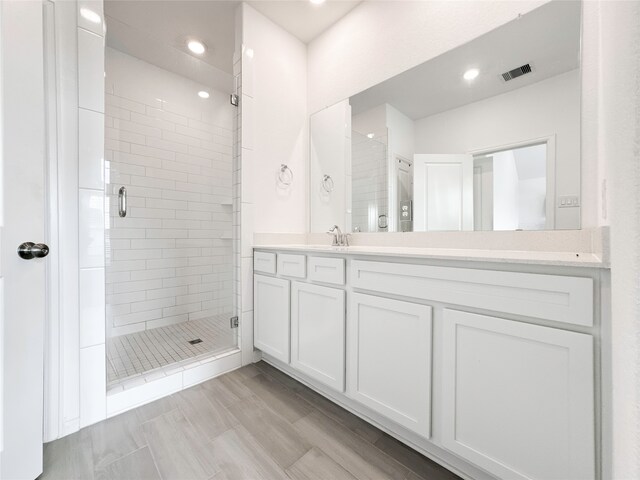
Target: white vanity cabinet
(389,357)
(518,399)
(318,332)
(271,325)
(491,371)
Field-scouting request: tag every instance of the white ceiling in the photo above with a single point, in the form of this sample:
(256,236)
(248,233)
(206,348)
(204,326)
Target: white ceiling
(157,31)
(302,18)
(548,38)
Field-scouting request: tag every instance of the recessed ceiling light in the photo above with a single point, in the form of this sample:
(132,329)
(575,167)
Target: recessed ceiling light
(317,2)
(90,15)
(471,74)
(203,94)
(196,47)
(371,135)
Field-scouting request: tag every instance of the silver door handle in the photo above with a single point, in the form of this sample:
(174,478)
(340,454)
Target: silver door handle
(30,250)
(122,202)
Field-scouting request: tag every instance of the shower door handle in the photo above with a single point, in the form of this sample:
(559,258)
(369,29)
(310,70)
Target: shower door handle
(122,202)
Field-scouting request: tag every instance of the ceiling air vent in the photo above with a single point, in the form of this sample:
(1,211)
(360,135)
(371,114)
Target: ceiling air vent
(516,72)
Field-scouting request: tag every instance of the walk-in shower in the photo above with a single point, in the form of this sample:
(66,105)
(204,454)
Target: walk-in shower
(168,174)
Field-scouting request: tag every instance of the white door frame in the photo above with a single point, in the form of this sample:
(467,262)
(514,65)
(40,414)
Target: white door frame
(550,141)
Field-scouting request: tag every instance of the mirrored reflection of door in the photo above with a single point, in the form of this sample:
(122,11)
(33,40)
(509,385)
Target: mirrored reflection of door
(443,192)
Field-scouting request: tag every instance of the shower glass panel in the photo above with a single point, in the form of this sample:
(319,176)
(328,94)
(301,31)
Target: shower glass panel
(370,205)
(169,246)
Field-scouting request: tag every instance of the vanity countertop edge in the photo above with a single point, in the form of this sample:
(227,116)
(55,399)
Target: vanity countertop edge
(566,259)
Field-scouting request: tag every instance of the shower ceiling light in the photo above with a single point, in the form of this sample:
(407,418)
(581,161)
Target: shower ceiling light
(196,47)
(90,15)
(317,2)
(371,135)
(203,94)
(471,74)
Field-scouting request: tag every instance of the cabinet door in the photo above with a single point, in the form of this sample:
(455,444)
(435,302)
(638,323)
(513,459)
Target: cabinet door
(317,333)
(271,326)
(389,359)
(518,398)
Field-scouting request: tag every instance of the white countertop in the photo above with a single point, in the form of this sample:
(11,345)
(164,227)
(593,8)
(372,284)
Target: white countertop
(566,259)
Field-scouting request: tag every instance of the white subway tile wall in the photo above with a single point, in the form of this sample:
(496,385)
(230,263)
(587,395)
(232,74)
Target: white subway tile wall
(369,181)
(170,259)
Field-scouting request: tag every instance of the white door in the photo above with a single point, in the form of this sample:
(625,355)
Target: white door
(389,359)
(518,399)
(271,326)
(317,333)
(22,282)
(442,192)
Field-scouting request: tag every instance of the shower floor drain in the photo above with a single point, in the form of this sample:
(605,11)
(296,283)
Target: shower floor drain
(195,341)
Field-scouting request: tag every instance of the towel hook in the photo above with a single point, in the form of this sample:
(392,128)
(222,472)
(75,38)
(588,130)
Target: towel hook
(327,183)
(285,177)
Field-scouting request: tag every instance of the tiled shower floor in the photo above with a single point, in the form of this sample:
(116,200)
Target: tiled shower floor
(142,352)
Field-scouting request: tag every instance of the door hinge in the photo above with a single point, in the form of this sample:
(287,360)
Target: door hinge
(234,322)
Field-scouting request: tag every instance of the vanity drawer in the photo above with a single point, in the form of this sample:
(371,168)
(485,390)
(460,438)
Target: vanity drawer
(550,297)
(291,265)
(327,270)
(264,262)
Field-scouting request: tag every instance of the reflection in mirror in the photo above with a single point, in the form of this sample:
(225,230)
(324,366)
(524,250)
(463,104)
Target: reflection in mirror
(483,137)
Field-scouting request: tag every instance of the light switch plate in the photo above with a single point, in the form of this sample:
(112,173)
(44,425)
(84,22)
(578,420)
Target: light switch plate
(567,201)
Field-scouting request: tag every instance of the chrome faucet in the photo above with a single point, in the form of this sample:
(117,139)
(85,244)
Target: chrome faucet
(339,239)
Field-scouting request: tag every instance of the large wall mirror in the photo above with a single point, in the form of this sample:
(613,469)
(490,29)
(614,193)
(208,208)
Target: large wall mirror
(483,137)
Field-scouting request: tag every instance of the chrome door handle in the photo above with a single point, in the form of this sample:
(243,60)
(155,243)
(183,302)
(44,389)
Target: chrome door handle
(30,250)
(122,202)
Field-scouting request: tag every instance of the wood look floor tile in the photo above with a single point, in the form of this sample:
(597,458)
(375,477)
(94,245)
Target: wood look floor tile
(116,437)
(179,450)
(316,465)
(204,412)
(253,423)
(419,464)
(239,456)
(361,458)
(155,409)
(340,415)
(227,389)
(277,436)
(68,458)
(278,397)
(138,465)
(326,406)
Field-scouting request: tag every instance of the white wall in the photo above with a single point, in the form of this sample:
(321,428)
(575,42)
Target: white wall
(619,135)
(330,150)
(169,259)
(549,107)
(75,365)
(271,68)
(372,121)
(378,40)
(276,81)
